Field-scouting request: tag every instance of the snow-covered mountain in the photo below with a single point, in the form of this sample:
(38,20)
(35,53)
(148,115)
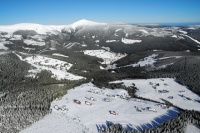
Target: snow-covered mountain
(43,29)
(123,38)
(83,22)
(39,28)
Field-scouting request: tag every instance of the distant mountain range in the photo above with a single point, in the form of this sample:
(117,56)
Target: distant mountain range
(123,38)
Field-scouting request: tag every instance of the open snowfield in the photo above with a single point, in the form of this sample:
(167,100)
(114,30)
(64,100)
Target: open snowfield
(167,89)
(108,56)
(39,28)
(61,55)
(2,46)
(108,41)
(151,60)
(132,113)
(130,41)
(192,129)
(32,42)
(3,42)
(57,67)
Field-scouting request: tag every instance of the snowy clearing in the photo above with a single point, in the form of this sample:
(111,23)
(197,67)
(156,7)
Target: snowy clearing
(167,89)
(2,46)
(151,60)
(2,43)
(39,37)
(169,57)
(109,41)
(181,31)
(108,56)
(144,31)
(16,37)
(106,48)
(91,107)
(57,67)
(61,55)
(175,36)
(192,129)
(118,30)
(29,49)
(147,61)
(97,41)
(130,41)
(32,42)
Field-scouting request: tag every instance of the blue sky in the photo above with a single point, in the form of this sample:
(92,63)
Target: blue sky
(109,11)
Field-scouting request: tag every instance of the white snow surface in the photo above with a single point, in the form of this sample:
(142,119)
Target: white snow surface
(182,97)
(107,56)
(175,36)
(130,41)
(108,41)
(39,37)
(192,38)
(81,23)
(184,32)
(97,41)
(61,55)
(150,60)
(192,129)
(81,117)
(3,42)
(44,29)
(56,123)
(144,31)
(16,37)
(39,28)
(2,46)
(32,42)
(57,67)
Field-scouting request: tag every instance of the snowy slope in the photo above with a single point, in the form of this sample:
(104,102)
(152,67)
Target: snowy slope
(84,22)
(57,67)
(2,42)
(165,88)
(81,23)
(97,114)
(108,56)
(43,29)
(130,41)
(192,129)
(151,60)
(39,28)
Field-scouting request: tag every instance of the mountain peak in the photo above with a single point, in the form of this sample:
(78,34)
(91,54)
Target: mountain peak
(84,22)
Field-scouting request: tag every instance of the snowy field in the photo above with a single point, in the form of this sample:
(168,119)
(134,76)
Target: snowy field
(108,41)
(192,129)
(32,42)
(61,55)
(167,89)
(151,60)
(130,41)
(108,56)
(98,106)
(3,42)
(57,67)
